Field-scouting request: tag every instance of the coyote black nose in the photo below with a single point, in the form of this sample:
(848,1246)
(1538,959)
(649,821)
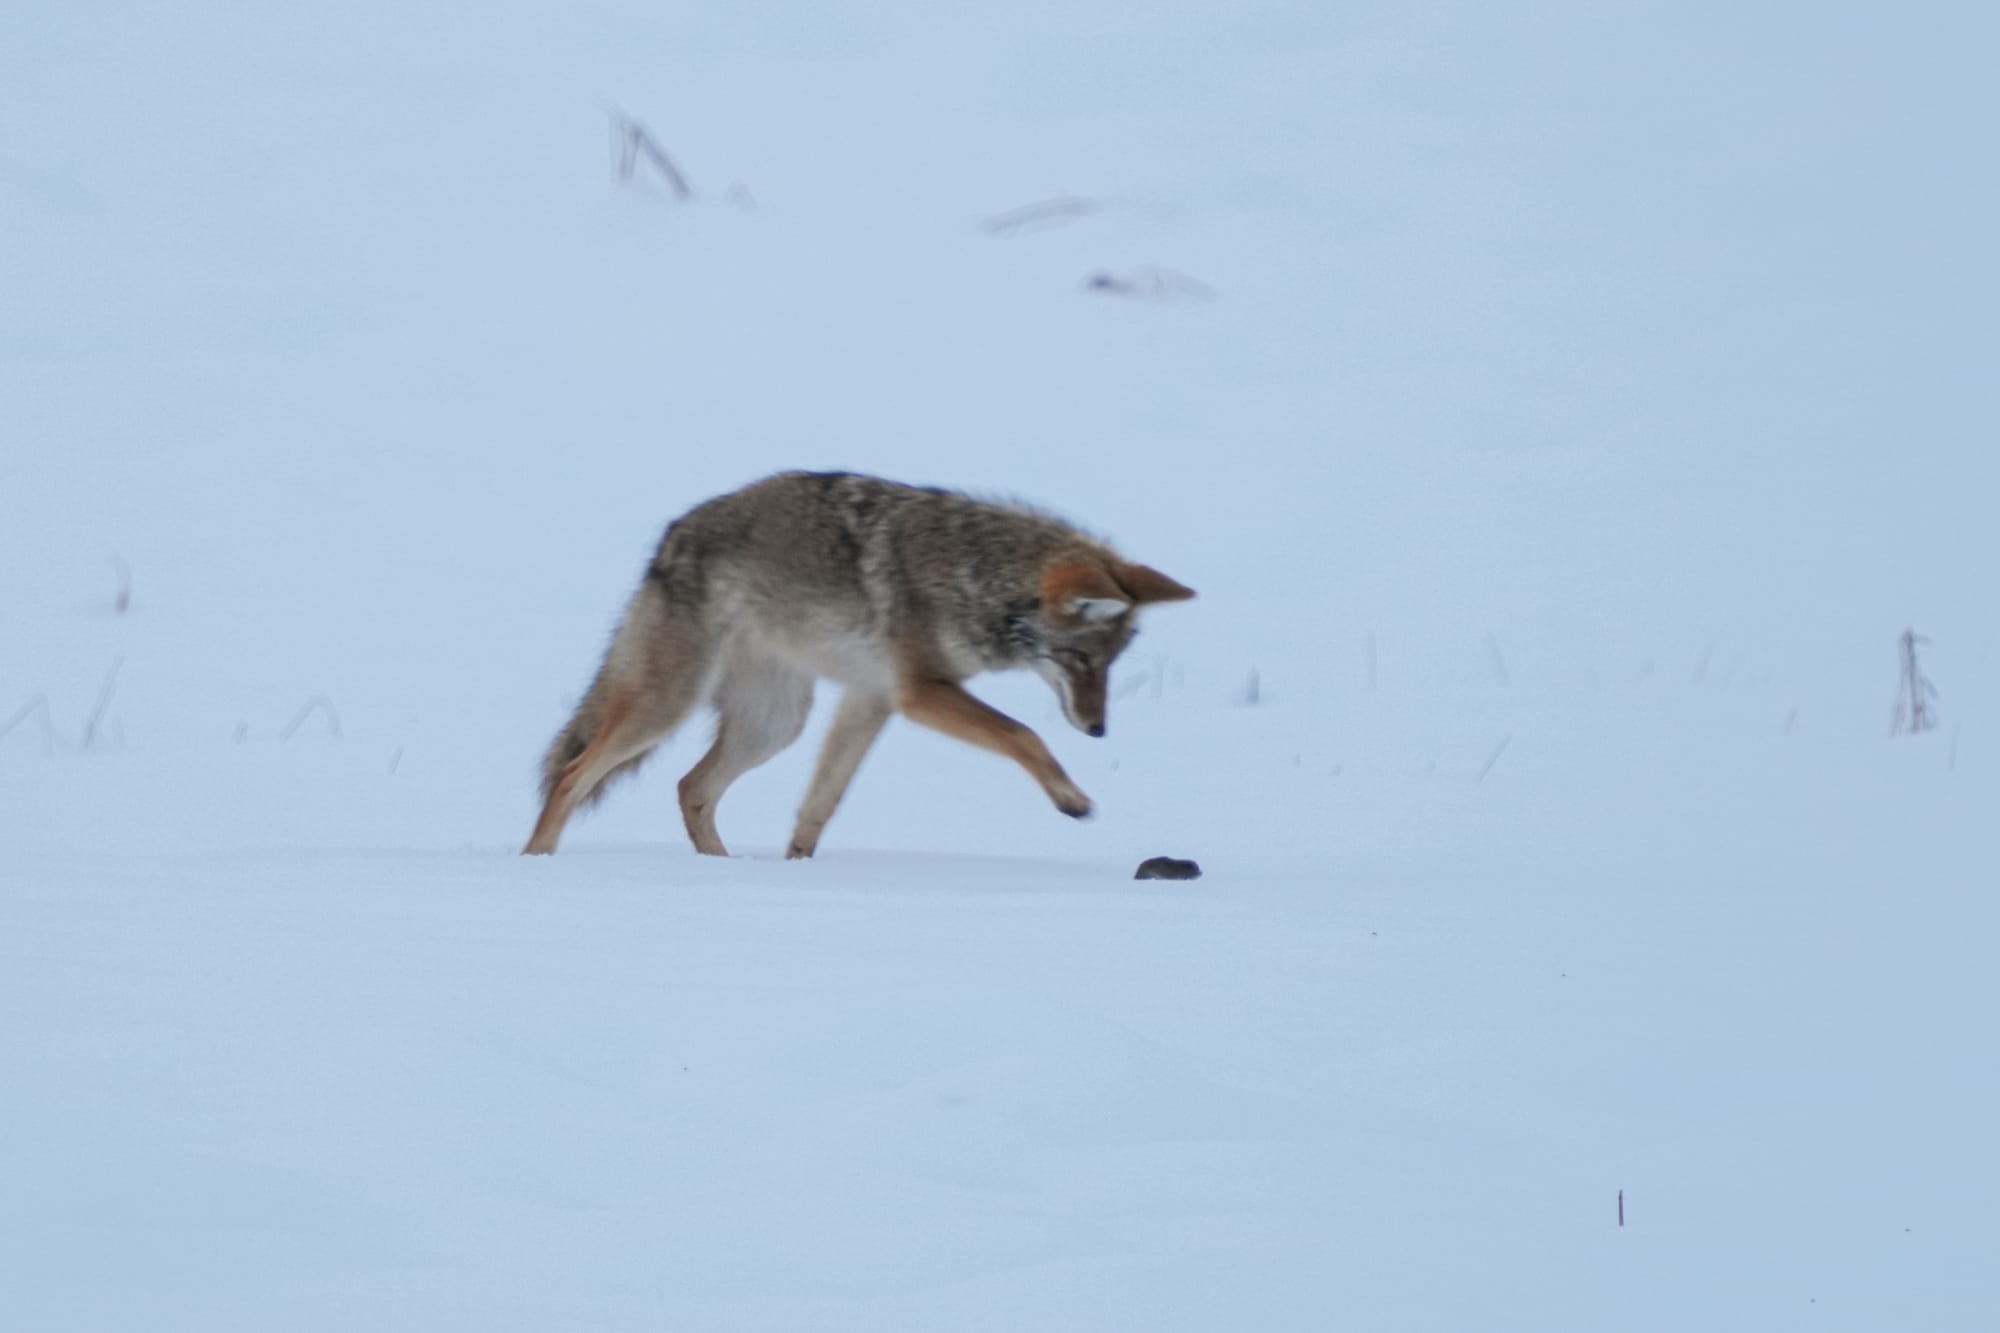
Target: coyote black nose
(1097,730)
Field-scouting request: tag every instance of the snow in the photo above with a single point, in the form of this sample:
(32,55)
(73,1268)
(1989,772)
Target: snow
(1587,401)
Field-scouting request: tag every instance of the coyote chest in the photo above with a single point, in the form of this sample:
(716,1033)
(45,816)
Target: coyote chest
(854,658)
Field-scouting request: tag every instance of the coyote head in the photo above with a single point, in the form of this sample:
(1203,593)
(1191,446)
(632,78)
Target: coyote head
(1087,615)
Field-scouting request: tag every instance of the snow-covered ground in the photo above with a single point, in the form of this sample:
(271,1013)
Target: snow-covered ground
(1562,413)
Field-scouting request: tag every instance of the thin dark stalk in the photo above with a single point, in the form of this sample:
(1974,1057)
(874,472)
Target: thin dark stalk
(320,703)
(1062,208)
(636,144)
(35,707)
(104,693)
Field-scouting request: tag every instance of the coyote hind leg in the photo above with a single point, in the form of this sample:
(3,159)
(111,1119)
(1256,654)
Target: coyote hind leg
(648,689)
(763,706)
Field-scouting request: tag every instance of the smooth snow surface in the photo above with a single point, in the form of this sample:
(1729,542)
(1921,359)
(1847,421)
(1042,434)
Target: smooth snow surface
(1561,410)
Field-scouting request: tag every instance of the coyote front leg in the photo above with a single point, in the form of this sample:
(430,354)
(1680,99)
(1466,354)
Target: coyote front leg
(854,729)
(946,707)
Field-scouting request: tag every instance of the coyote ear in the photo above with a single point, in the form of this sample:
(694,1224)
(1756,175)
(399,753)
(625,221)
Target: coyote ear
(1099,608)
(1085,591)
(1147,584)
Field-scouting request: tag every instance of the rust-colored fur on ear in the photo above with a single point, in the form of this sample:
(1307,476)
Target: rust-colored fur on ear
(1143,584)
(1065,584)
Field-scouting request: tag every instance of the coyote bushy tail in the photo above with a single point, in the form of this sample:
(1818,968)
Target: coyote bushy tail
(661,611)
(574,738)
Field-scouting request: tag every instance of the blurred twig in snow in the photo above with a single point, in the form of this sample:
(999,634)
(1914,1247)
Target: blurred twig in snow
(1148,283)
(634,142)
(37,706)
(320,702)
(1497,661)
(1493,758)
(1048,212)
(104,693)
(1914,692)
(123,601)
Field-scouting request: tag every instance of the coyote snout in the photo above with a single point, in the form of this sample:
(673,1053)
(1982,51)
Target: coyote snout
(899,593)
(1086,621)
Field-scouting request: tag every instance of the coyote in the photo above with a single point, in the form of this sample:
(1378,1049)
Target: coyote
(900,593)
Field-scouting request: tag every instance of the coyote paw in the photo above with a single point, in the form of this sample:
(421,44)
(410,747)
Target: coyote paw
(798,852)
(1072,802)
